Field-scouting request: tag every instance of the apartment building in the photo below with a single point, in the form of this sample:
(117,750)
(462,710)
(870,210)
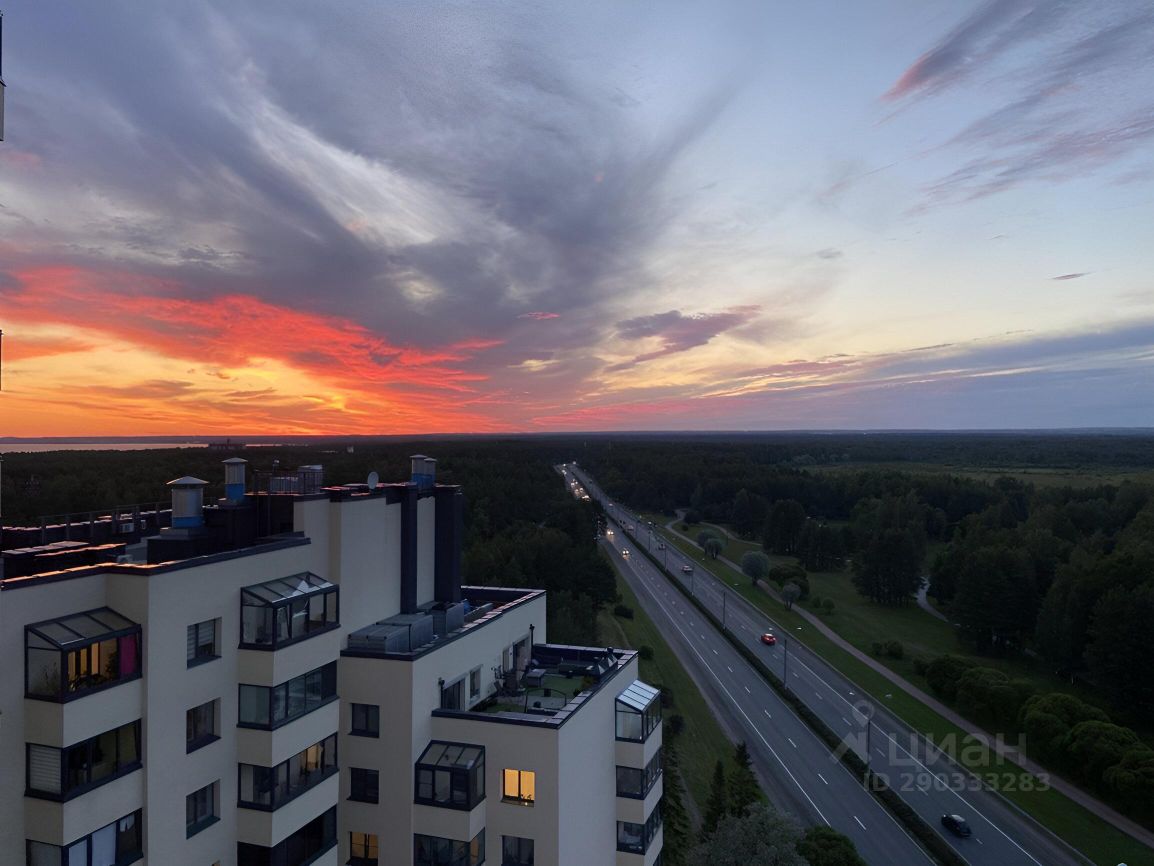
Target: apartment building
(294,674)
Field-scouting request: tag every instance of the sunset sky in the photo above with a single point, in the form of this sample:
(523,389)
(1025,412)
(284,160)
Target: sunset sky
(226,217)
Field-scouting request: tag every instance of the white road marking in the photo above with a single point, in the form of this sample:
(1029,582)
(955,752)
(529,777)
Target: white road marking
(747,691)
(820,776)
(730,669)
(859,823)
(767,713)
(791,742)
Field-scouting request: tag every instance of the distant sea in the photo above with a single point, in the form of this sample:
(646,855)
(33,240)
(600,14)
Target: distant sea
(24,447)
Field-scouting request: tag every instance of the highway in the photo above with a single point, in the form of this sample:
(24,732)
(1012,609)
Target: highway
(927,780)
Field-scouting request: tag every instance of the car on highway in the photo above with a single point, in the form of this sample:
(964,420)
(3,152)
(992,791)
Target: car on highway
(688,569)
(624,551)
(769,639)
(957,825)
(661,545)
(608,533)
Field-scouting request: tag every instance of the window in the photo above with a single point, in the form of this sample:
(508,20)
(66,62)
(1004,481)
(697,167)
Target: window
(75,655)
(283,611)
(636,783)
(638,712)
(363,849)
(269,708)
(366,720)
(304,846)
(635,838)
(116,844)
(450,775)
(436,851)
(520,786)
(269,788)
(474,683)
(516,851)
(202,643)
(60,774)
(364,785)
(200,809)
(201,726)
(453,695)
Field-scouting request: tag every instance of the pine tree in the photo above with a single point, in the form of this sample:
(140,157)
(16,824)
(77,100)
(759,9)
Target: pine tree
(743,788)
(678,833)
(716,806)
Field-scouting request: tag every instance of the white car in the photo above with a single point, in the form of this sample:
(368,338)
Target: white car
(624,551)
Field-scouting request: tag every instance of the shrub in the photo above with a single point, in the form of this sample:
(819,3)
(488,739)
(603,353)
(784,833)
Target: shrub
(943,674)
(894,649)
(920,666)
(877,647)
(827,605)
(646,652)
(676,724)
(815,601)
(623,610)
(666,697)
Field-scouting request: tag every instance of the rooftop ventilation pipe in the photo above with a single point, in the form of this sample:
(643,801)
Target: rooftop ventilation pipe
(187,502)
(234,478)
(420,474)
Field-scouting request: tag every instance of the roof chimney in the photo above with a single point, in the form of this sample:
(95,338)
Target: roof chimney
(187,502)
(419,476)
(430,471)
(234,478)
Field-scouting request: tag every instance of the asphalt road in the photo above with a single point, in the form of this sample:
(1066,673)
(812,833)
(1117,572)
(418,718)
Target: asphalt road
(927,780)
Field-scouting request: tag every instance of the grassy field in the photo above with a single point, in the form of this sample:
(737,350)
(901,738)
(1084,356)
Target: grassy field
(1097,839)
(702,742)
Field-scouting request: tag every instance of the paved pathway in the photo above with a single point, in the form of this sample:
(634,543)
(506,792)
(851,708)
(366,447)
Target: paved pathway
(1094,805)
(924,603)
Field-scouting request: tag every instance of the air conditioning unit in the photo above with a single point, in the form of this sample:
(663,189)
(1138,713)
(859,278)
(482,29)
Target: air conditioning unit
(127,527)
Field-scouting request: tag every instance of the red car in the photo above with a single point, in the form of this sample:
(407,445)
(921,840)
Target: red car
(768,639)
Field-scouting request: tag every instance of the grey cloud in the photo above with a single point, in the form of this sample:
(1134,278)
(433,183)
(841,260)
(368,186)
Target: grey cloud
(678,332)
(1071,276)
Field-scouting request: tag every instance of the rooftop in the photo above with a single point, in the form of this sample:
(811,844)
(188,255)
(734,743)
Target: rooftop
(556,684)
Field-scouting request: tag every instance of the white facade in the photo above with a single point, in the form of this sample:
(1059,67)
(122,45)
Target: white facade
(246,705)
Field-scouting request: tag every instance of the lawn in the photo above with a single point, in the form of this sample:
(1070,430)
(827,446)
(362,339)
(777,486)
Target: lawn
(702,742)
(1096,838)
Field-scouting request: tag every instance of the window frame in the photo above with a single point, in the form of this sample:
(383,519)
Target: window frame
(518,858)
(204,739)
(123,858)
(211,815)
(88,747)
(364,785)
(370,846)
(277,781)
(454,779)
(646,833)
(368,731)
(69,688)
(327,674)
(305,845)
(648,778)
(287,618)
(198,658)
(519,797)
(456,852)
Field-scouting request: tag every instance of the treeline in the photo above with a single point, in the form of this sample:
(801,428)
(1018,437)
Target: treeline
(522,528)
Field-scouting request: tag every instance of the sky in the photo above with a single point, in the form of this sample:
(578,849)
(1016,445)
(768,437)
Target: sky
(233,217)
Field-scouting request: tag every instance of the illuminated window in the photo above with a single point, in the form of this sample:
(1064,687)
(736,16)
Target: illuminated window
(520,786)
(363,849)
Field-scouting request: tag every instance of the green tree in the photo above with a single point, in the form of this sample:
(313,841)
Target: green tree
(748,513)
(763,837)
(1046,721)
(996,602)
(704,535)
(713,547)
(1131,780)
(990,697)
(744,790)
(943,674)
(1118,656)
(825,846)
(1094,747)
(717,804)
(791,592)
(783,528)
(674,817)
(755,565)
(888,569)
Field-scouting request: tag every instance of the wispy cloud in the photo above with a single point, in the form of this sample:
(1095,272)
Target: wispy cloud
(1074,276)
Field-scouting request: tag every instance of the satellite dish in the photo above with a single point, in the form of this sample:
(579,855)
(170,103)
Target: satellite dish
(374,480)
